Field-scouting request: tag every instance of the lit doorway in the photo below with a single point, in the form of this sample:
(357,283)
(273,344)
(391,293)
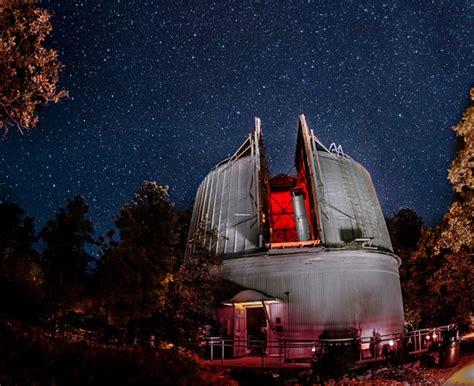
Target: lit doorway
(257,328)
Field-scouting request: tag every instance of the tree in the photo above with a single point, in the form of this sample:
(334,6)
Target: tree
(438,275)
(457,229)
(421,304)
(65,259)
(135,271)
(455,279)
(461,173)
(405,231)
(437,287)
(20,274)
(17,233)
(144,284)
(183,219)
(29,71)
(190,304)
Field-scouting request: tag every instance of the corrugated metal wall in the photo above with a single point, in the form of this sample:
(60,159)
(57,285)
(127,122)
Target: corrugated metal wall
(348,203)
(334,291)
(227,199)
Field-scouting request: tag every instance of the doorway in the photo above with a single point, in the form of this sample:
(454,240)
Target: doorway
(256,331)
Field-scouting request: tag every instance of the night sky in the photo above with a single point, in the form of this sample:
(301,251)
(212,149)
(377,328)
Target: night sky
(164,90)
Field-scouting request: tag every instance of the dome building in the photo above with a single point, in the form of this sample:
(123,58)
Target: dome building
(310,254)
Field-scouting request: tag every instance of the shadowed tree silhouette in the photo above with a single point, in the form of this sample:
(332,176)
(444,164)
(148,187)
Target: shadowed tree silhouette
(133,272)
(65,260)
(20,275)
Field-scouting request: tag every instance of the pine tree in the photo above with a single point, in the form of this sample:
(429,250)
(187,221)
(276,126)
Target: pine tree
(65,259)
(405,231)
(20,274)
(407,236)
(135,270)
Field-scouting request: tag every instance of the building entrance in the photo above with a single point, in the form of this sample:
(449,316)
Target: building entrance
(256,331)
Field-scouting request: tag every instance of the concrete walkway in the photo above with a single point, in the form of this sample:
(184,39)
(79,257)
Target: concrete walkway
(465,376)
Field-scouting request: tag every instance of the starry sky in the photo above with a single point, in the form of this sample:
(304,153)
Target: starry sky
(164,90)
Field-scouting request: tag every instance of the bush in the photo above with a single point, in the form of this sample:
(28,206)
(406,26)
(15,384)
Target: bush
(28,357)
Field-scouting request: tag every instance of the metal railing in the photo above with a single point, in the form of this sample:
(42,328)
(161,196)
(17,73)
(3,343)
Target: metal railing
(370,348)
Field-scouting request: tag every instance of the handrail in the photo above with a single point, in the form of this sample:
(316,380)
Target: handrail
(370,347)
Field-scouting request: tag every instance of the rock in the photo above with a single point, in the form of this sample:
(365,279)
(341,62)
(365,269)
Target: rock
(345,379)
(416,365)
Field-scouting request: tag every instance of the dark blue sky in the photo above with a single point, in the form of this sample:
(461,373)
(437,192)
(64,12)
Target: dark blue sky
(164,90)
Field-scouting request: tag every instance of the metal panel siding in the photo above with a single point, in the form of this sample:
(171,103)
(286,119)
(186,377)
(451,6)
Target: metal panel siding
(349,204)
(225,200)
(225,208)
(337,213)
(337,291)
(378,214)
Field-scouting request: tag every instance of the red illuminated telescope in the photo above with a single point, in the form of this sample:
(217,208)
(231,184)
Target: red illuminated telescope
(301,219)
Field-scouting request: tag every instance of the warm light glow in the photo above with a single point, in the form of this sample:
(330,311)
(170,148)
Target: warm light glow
(434,335)
(256,303)
(468,336)
(391,343)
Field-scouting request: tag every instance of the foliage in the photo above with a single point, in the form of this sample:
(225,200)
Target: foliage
(455,280)
(65,260)
(416,274)
(20,274)
(458,224)
(189,309)
(335,358)
(28,357)
(457,233)
(453,284)
(461,173)
(29,72)
(142,289)
(17,232)
(437,276)
(405,230)
(141,286)
(183,219)
(436,287)
(134,272)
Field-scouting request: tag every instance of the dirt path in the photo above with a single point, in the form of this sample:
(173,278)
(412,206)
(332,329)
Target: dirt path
(433,376)
(465,376)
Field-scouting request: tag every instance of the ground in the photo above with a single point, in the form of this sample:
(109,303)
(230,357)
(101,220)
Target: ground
(412,373)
